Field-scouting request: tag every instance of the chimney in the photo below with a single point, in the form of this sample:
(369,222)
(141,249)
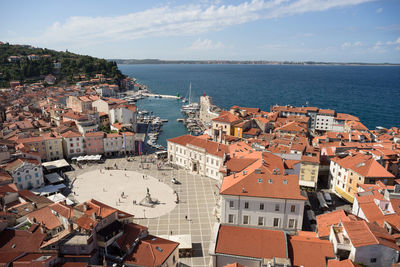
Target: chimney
(42,228)
(234,174)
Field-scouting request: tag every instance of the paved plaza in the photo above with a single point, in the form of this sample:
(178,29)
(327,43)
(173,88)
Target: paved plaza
(197,195)
(121,189)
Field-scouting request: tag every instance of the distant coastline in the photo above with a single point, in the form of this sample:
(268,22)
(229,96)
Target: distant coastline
(245,62)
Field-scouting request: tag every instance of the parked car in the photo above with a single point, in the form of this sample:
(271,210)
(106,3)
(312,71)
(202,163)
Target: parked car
(328,198)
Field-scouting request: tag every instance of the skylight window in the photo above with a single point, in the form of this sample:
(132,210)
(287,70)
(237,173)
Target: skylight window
(260,180)
(159,249)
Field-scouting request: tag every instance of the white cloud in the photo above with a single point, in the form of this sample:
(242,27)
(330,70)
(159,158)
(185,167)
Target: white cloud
(183,20)
(205,44)
(379,10)
(393,42)
(349,44)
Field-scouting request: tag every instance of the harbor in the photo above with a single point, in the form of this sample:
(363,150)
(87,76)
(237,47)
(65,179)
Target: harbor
(163,116)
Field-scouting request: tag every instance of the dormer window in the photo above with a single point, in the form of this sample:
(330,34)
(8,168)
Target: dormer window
(270,181)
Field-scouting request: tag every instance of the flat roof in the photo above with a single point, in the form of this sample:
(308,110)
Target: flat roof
(48,189)
(53,178)
(55,164)
(185,241)
(60,197)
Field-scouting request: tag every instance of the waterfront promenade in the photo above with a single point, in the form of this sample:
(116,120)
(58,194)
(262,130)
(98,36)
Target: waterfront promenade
(197,199)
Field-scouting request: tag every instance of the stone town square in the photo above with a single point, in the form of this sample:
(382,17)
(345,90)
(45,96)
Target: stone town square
(119,183)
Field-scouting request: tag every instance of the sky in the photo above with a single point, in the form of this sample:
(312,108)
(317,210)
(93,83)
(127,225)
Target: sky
(276,30)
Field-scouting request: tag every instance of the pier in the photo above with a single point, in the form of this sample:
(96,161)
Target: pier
(161,96)
(146,93)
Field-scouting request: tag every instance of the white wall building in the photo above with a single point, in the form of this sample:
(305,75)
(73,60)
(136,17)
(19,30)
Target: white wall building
(197,155)
(364,243)
(27,173)
(119,143)
(255,197)
(72,144)
(125,114)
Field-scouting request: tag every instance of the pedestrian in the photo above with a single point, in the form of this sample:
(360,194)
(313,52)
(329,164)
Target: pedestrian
(186,217)
(171,232)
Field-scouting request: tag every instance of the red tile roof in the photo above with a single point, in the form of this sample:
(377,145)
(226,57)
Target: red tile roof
(324,221)
(211,147)
(152,251)
(364,165)
(226,117)
(45,217)
(362,233)
(251,242)
(262,183)
(20,240)
(309,251)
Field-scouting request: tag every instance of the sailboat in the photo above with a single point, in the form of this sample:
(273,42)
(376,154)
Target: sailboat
(192,106)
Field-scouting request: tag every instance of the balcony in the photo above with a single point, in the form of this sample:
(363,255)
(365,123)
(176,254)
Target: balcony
(343,243)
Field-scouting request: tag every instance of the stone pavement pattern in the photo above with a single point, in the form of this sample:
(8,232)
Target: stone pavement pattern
(197,196)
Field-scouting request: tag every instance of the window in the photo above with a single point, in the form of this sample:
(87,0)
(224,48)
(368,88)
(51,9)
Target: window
(231,204)
(276,207)
(230,218)
(246,205)
(351,181)
(348,190)
(71,145)
(292,208)
(276,222)
(261,206)
(373,260)
(36,175)
(292,223)
(260,220)
(19,179)
(246,219)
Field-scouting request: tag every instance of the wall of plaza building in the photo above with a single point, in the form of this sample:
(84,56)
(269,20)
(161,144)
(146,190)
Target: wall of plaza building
(196,160)
(28,176)
(269,209)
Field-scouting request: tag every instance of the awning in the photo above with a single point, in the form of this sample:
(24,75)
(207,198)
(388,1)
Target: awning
(87,158)
(56,164)
(49,189)
(60,197)
(185,241)
(54,178)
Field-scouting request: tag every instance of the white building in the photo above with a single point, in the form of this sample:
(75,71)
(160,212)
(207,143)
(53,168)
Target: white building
(364,243)
(72,144)
(257,197)
(125,114)
(119,143)
(198,155)
(27,173)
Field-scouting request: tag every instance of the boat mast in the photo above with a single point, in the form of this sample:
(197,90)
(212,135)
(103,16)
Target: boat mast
(190,93)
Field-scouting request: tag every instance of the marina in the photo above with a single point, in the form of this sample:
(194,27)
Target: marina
(155,121)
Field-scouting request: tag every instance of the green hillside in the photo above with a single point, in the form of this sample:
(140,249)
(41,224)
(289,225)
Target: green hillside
(27,69)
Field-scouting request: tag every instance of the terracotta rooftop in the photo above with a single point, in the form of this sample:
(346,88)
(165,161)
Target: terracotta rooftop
(324,221)
(20,240)
(309,251)
(251,242)
(152,251)
(257,181)
(362,233)
(211,147)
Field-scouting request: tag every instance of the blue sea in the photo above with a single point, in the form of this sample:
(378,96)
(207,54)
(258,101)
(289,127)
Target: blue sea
(370,92)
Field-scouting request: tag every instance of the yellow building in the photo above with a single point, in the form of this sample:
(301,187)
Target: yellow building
(309,167)
(53,146)
(223,125)
(346,174)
